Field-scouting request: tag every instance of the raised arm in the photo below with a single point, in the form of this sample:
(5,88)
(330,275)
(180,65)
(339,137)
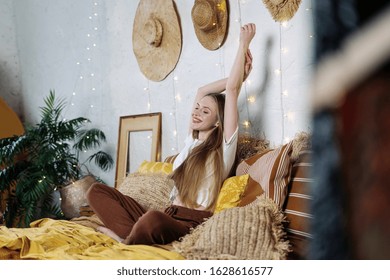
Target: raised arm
(241,68)
(237,75)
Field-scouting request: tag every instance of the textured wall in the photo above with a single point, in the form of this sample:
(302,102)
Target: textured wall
(83,50)
(10,83)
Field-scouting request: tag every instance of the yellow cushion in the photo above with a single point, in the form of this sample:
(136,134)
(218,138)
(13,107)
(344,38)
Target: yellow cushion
(231,192)
(155,167)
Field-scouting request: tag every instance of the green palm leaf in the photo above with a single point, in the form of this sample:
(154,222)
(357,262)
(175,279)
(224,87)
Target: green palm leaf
(44,158)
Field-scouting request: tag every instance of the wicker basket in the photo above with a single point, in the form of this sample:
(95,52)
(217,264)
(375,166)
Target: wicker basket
(73,196)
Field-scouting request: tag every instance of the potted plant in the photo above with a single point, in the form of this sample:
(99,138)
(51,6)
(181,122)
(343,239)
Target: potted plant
(44,158)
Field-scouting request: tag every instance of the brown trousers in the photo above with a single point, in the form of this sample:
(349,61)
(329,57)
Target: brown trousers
(130,221)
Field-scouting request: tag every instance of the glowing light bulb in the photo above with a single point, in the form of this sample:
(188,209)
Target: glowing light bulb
(251,99)
(290,116)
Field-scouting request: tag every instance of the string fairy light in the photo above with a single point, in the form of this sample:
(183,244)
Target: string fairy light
(249,99)
(86,81)
(176,99)
(279,72)
(290,116)
(147,90)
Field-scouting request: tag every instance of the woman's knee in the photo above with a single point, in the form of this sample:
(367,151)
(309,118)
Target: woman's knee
(149,229)
(151,221)
(94,191)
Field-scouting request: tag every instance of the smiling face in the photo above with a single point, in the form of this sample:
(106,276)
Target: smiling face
(204,116)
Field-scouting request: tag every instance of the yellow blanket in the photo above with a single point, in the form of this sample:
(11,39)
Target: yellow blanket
(61,240)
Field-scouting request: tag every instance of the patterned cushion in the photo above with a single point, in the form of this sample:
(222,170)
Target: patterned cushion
(269,173)
(253,232)
(231,192)
(151,190)
(155,167)
(297,207)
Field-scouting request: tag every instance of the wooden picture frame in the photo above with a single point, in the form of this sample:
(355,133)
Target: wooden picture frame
(136,134)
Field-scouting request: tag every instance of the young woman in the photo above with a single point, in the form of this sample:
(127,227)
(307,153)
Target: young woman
(199,169)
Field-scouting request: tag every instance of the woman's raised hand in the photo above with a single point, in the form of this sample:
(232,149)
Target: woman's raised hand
(247,33)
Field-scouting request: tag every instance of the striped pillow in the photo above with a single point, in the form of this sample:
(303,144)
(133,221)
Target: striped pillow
(269,173)
(297,207)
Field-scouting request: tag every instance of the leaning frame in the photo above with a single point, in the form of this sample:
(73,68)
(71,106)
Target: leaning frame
(136,123)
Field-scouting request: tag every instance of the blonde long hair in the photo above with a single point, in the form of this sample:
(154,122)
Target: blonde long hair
(189,175)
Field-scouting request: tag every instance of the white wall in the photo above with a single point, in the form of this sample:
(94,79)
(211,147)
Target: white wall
(55,41)
(10,83)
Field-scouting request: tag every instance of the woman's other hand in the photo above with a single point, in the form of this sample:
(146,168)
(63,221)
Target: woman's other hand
(248,64)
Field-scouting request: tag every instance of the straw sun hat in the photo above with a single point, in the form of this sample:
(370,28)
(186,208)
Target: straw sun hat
(157,38)
(210,19)
(282,10)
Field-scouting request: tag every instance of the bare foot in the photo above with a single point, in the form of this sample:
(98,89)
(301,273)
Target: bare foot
(109,233)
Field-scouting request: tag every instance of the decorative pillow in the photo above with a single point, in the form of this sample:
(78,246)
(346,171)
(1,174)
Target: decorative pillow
(244,233)
(155,167)
(249,146)
(297,207)
(151,190)
(231,192)
(269,173)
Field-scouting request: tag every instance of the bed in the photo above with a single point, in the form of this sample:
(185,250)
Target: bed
(262,213)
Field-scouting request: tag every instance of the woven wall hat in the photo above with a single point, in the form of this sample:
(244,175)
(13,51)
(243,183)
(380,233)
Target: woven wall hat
(210,19)
(157,38)
(282,10)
